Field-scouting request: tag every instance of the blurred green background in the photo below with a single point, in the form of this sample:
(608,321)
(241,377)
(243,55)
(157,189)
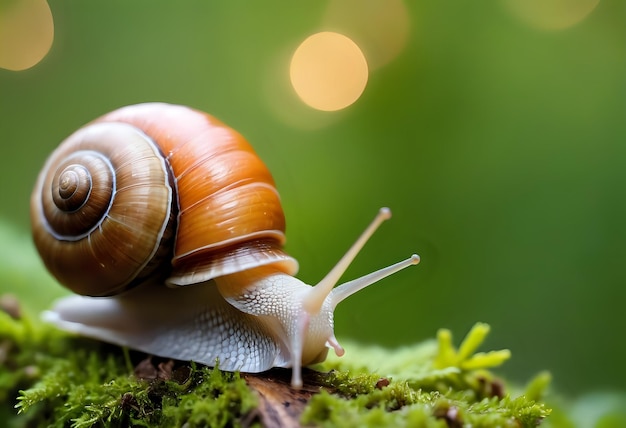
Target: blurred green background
(500,146)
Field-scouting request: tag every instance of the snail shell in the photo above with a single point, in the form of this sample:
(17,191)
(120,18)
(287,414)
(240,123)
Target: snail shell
(149,184)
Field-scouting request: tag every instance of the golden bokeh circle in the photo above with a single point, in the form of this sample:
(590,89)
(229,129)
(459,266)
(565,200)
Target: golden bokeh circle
(328,71)
(26,33)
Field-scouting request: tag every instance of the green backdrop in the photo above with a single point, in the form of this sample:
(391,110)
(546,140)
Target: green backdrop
(501,149)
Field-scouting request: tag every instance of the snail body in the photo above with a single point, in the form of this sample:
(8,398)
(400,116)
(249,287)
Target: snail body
(169,228)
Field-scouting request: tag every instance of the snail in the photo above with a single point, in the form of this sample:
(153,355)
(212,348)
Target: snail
(169,229)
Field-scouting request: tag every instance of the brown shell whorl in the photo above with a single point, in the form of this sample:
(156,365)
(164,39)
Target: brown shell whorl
(71,188)
(80,195)
(101,208)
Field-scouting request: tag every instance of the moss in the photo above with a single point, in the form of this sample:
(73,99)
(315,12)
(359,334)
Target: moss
(57,380)
(218,399)
(103,393)
(432,384)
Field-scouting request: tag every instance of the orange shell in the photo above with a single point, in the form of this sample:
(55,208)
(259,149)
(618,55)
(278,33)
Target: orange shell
(229,216)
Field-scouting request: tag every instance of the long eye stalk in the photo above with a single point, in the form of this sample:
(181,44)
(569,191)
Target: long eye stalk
(315,298)
(349,288)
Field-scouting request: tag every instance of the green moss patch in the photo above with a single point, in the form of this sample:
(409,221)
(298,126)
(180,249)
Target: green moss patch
(49,378)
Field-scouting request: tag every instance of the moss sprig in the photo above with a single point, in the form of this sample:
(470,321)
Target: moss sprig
(465,358)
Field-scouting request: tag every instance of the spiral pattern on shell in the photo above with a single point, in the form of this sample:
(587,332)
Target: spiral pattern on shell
(153,191)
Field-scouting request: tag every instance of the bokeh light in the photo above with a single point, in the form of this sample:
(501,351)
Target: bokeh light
(380,27)
(26,33)
(283,102)
(552,14)
(328,71)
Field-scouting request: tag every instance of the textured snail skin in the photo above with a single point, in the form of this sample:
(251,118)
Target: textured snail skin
(157,194)
(203,326)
